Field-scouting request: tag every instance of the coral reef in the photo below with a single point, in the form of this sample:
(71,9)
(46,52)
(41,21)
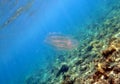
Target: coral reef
(107,68)
(63,69)
(96,61)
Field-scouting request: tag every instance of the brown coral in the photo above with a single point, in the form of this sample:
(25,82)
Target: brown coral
(108,51)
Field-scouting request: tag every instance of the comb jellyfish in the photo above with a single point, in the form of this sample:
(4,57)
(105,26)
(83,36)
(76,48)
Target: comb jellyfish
(61,42)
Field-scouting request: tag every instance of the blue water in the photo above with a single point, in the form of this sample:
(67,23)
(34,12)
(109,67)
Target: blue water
(22,34)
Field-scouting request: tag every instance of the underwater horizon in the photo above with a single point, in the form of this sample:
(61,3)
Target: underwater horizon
(60,42)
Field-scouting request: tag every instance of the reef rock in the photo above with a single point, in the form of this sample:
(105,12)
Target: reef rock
(64,68)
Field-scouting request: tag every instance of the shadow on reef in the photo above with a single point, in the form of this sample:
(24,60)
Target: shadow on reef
(63,69)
